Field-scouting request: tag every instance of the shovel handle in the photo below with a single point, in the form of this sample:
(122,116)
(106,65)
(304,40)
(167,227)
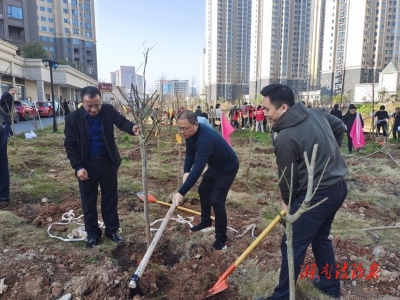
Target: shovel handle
(259,238)
(142,266)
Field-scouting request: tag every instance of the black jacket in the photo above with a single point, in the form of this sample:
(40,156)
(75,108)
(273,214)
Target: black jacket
(299,130)
(337,113)
(348,120)
(77,135)
(396,120)
(6,102)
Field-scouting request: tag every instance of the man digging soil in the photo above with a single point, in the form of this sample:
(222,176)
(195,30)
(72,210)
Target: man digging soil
(206,146)
(299,129)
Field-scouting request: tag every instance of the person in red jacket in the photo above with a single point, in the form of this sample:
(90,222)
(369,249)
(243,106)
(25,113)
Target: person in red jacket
(235,118)
(259,118)
(251,115)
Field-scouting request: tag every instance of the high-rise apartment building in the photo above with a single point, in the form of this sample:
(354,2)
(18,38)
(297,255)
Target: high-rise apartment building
(226,58)
(124,76)
(360,38)
(67,31)
(16,24)
(173,88)
(280,44)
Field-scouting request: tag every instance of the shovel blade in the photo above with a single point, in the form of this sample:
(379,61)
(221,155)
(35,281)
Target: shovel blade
(217,288)
(150,197)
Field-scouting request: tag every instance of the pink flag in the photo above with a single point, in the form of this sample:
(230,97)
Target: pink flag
(226,128)
(356,133)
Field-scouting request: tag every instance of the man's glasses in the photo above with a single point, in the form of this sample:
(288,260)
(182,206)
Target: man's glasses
(184,129)
(89,107)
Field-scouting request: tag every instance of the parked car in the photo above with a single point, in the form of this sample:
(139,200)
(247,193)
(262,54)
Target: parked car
(15,117)
(45,109)
(26,110)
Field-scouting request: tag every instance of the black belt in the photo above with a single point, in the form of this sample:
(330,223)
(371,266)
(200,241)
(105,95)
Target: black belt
(98,158)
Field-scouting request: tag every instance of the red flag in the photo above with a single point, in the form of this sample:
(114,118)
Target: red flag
(226,128)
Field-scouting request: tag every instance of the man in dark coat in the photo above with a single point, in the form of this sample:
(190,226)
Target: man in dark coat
(396,124)
(205,146)
(348,121)
(92,151)
(336,112)
(198,111)
(299,129)
(7,107)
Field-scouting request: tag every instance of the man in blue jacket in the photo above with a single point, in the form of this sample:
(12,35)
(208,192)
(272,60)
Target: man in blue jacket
(206,146)
(92,151)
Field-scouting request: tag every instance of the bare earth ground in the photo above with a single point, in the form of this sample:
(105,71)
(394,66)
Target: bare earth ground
(184,265)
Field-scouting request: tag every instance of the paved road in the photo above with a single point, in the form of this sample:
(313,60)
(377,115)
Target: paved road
(26,126)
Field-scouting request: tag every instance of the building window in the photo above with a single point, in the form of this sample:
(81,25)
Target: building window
(66,49)
(43,18)
(75,31)
(14,12)
(49,10)
(74,12)
(44,38)
(50,1)
(74,3)
(51,29)
(87,16)
(51,49)
(86,7)
(89,34)
(42,8)
(75,22)
(65,11)
(65,20)
(51,39)
(88,26)
(50,20)
(46,48)
(89,44)
(67,40)
(44,28)
(66,30)
(75,41)
(64,1)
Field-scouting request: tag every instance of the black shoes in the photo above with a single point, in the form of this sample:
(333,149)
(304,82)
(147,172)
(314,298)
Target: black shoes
(317,284)
(218,245)
(4,199)
(200,226)
(115,237)
(92,242)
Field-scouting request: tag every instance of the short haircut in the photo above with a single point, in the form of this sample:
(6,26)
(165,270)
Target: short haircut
(11,88)
(382,107)
(218,105)
(90,91)
(189,115)
(278,94)
(336,106)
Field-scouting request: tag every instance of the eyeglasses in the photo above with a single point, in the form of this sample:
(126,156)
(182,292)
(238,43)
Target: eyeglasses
(89,107)
(184,129)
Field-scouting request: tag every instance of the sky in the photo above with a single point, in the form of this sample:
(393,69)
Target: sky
(176,29)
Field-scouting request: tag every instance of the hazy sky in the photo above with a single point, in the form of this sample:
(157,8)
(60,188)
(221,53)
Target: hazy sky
(177,27)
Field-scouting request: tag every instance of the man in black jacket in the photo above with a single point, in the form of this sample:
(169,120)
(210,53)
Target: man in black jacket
(204,146)
(336,112)
(348,121)
(396,124)
(7,107)
(4,171)
(299,129)
(92,151)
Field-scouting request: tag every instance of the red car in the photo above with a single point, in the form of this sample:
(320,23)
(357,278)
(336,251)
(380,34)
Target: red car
(26,110)
(45,109)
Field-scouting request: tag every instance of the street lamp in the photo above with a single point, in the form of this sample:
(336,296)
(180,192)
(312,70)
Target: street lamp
(49,62)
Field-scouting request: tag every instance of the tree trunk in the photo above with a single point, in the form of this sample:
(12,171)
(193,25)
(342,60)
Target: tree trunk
(145,189)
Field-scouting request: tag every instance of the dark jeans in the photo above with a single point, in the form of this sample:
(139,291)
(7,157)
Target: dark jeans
(313,227)
(213,190)
(236,124)
(396,133)
(7,123)
(100,171)
(4,171)
(244,121)
(349,142)
(382,125)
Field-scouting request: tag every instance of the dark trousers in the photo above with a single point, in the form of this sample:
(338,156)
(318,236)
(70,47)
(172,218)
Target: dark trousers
(4,171)
(213,190)
(7,123)
(100,171)
(396,133)
(244,121)
(313,227)
(236,124)
(382,125)
(349,141)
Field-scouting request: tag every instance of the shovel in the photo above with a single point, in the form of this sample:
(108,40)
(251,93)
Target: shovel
(221,283)
(134,288)
(153,199)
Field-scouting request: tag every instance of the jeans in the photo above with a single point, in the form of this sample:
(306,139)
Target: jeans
(4,171)
(213,190)
(313,227)
(7,123)
(100,171)
(259,124)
